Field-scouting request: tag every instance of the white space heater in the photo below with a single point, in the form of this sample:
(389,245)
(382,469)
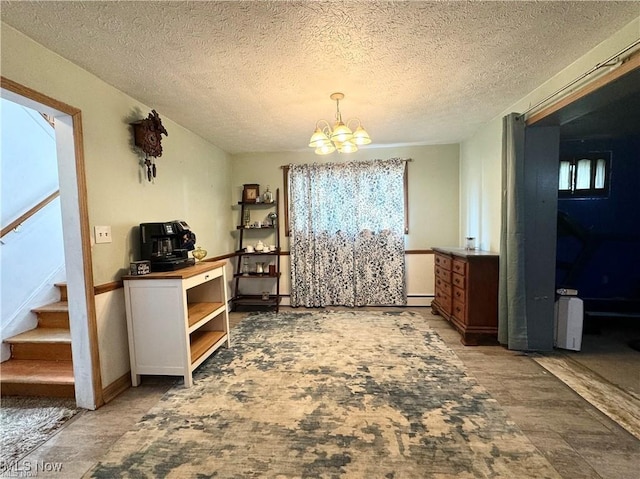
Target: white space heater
(568,323)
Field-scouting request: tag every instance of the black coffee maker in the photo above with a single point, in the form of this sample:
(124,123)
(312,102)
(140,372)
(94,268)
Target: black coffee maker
(166,245)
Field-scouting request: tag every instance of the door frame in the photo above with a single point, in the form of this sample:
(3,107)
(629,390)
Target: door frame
(553,116)
(76,232)
(631,63)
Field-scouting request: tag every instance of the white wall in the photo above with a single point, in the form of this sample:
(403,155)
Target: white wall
(192,182)
(480,155)
(32,255)
(28,158)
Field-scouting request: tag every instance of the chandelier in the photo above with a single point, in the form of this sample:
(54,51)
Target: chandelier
(326,140)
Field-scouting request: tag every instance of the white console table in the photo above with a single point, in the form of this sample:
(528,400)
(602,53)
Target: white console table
(176,319)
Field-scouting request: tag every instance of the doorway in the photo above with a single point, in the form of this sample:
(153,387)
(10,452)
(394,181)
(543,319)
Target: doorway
(73,201)
(598,243)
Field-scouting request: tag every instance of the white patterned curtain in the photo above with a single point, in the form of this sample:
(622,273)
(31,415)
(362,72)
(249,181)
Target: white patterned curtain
(347,233)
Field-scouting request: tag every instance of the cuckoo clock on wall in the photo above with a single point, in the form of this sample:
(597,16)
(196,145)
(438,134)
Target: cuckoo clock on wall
(147,136)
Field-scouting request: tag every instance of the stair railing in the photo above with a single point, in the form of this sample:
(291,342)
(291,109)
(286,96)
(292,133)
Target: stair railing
(24,217)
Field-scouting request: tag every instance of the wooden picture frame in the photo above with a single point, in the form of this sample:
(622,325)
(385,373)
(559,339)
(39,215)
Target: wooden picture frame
(250,193)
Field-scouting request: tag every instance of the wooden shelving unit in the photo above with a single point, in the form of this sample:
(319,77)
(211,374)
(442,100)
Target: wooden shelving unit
(176,319)
(245,296)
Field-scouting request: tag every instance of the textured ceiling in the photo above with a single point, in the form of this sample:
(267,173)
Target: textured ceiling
(255,76)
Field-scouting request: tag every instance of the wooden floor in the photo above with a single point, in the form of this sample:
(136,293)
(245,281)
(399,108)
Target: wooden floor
(577,439)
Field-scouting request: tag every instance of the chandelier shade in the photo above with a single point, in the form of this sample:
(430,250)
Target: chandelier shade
(326,140)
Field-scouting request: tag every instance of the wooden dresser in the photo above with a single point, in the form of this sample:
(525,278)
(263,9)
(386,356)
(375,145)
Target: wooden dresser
(466,292)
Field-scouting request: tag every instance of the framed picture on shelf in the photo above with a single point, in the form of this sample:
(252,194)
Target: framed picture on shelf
(250,193)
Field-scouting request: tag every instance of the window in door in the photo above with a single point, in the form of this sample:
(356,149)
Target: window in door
(585,176)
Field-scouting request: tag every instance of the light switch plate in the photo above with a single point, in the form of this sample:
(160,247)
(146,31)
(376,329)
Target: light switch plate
(102,234)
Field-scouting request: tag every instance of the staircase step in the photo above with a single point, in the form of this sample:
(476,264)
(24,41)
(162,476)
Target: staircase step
(42,335)
(49,344)
(20,377)
(54,315)
(63,291)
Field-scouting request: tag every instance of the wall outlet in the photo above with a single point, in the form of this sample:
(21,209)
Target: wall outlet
(102,234)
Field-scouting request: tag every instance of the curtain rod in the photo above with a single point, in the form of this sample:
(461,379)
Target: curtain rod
(407,160)
(600,65)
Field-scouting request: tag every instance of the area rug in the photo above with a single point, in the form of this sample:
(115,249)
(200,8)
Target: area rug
(621,406)
(27,422)
(325,395)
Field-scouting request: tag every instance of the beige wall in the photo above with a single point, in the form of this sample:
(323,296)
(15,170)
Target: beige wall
(433,197)
(192,182)
(480,155)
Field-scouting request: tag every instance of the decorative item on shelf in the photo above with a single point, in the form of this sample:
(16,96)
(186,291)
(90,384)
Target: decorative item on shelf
(199,253)
(267,196)
(147,136)
(265,296)
(245,266)
(249,249)
(250,193)
(273,216)
(272,270)
(259,246)
(247,218)
(260,267)
(138,268)
(326,140)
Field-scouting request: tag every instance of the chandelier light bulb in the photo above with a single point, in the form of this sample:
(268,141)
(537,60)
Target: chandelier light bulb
(347,147)
(325,149)
(318,139)
(341,132)
(361,137)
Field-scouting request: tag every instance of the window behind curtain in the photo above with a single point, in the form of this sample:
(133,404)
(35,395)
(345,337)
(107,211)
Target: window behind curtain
(285,173)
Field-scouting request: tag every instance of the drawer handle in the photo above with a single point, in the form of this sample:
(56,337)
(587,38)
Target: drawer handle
(206,276)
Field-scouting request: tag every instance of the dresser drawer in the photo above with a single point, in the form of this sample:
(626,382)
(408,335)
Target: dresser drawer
(459,295)
(444,301)
(443,274)
(459,310)
(443,285)
(458,281)
(443,261)
(443,290)
(459,267)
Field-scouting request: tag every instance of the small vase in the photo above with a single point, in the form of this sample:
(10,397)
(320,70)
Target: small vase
(267,196)
(199,253)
